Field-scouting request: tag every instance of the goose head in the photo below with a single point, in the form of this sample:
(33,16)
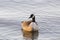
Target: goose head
(33,17)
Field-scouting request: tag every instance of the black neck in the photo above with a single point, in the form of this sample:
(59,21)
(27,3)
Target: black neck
(33,19)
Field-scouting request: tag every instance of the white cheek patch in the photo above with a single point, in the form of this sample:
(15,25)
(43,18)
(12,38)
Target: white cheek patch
(33,16)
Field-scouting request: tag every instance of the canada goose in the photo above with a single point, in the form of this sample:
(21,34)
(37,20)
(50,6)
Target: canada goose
(30,25)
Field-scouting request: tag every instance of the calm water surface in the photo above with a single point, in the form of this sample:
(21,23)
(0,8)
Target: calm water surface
(49,29)
(47,13)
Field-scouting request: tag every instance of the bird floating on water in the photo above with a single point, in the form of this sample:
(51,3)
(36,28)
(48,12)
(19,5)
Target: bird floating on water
(30,25)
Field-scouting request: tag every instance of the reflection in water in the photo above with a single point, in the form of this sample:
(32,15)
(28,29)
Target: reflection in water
(30,35)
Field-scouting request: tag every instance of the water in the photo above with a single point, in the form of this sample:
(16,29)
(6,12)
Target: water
(11,30)
(47,16)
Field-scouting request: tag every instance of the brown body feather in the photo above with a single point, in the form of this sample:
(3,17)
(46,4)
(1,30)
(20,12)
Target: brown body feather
(25,25)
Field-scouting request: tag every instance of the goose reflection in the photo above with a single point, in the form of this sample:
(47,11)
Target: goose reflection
(30,35)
